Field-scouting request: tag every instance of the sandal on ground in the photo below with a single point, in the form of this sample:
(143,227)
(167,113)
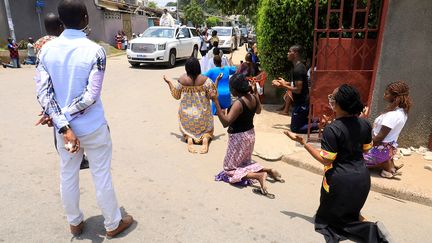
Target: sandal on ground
(389,175)
(264,192)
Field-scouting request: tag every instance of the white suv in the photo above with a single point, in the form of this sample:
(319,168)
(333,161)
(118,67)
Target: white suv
(159,44)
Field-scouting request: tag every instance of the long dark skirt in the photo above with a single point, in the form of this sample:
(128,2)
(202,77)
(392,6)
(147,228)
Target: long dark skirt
(337,217)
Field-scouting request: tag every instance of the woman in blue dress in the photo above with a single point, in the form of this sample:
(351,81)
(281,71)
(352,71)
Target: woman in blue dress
(223,86)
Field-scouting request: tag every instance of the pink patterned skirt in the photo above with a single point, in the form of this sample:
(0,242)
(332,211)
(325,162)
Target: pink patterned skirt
(238,159)
(380,154)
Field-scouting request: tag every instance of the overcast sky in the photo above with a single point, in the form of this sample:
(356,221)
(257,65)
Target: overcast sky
(162,3)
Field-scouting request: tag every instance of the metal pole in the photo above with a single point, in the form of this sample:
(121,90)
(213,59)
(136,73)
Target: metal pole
(9,18)
(40,23)
(178,12)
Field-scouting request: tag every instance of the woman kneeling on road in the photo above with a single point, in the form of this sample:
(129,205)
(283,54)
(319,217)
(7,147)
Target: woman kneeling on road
(346,181)
(387,128)
(238,164)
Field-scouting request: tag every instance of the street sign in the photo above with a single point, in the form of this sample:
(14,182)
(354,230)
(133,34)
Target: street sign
(40,3)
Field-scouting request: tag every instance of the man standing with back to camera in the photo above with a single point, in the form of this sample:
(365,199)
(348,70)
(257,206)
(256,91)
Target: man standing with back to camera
(70,72)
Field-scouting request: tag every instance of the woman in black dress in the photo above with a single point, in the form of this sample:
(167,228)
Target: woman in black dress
(346,181)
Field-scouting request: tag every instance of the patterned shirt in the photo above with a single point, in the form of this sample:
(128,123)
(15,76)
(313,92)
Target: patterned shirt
(70,72)
(41,42)
(13,50)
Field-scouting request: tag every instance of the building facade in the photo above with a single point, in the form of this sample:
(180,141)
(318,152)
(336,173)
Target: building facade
(106,17)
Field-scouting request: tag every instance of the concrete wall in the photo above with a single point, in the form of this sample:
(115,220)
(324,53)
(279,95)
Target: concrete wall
(103,26)
(407,55)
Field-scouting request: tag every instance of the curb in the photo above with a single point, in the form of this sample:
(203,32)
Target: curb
(403,194)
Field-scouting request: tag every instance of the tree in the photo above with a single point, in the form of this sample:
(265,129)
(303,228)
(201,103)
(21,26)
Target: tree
(281,24)
(230,7)
(194,13)
(212,21)
(152,5)
(242,20)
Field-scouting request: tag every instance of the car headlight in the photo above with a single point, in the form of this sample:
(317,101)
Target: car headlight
(228,42)
(161,47)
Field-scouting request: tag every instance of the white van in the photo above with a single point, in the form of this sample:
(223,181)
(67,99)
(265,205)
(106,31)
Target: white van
(229,38)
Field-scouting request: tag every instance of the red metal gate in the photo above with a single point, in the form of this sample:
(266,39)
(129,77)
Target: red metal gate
(347,39)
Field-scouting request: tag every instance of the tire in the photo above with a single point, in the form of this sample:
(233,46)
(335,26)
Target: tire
(135,64)
(195,52)
(172,58)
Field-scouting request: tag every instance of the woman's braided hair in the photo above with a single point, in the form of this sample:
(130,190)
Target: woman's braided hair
(399,90)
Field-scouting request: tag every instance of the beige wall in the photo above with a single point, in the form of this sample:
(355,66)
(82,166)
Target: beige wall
(406,54)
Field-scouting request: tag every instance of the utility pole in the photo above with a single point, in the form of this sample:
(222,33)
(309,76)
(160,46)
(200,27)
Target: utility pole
(178,12)
(9,19)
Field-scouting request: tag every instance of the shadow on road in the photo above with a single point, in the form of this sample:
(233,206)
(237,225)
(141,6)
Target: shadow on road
(146,66)
(298,215)
(216,137)
(94,229)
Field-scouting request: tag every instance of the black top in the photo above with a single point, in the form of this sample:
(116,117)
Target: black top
(300,74)
(346,136)
(244,121)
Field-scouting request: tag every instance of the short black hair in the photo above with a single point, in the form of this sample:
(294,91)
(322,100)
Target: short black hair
(53,25)
(348,98)
(217,60)
(216,51)
(239,83)
(299,49)
(214,33)
(193,68)
(72,12)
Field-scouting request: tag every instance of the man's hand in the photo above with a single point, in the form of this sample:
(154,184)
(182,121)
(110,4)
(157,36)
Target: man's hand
(295,137)
(276,83)
(365,112)
(44,120)
(72,144)
(219,77)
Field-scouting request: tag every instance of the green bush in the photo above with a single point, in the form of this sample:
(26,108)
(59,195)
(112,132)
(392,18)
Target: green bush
(281,24)
(212,21)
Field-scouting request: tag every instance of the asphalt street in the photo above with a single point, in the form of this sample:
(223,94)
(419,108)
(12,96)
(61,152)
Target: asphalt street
(170,192)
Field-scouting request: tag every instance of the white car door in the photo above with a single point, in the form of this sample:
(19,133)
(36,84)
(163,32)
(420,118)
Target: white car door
(186,42)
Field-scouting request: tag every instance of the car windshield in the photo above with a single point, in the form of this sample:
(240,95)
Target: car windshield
(223,32)
(159,33)
(244,31)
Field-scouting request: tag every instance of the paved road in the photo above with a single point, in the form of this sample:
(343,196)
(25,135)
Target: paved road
(171,193)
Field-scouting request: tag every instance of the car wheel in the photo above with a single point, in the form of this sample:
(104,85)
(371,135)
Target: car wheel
(135,64)
(195,52)
(172,59)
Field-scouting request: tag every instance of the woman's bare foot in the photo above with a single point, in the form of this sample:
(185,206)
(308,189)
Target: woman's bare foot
(284,113)
(205,146)
(263,189)
(276,176)
(190,147)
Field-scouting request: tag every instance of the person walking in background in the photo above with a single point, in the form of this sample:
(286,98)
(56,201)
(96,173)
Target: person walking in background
(53,26)
(346,182)
(166,19)
(204,44)
(238,165)
(31,55)
(13,54)
(196,120)
(119,40)
(69,79)
(387,128)
(214,38)
(124,40)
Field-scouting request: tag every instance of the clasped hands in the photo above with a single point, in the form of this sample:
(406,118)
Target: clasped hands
(72,143)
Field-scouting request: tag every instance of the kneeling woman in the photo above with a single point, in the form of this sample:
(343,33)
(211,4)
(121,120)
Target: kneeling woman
(196,120)
(238,163)
(346,181)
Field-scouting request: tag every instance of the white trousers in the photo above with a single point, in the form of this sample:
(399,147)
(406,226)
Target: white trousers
(98,148)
